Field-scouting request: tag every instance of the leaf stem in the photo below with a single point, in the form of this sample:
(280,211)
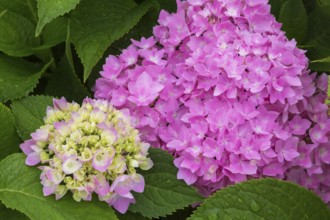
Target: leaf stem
(32,11)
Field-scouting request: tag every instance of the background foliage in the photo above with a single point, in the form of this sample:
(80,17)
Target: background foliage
(56,48)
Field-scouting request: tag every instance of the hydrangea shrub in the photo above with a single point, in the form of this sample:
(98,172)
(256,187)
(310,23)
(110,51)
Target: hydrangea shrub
(221,87)
(92,148)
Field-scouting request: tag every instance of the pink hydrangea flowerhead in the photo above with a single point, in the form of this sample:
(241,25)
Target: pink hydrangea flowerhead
(92,148)
(221,87)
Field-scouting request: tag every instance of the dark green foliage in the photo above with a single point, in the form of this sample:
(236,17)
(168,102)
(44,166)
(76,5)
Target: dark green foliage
(263,199)
(54,48)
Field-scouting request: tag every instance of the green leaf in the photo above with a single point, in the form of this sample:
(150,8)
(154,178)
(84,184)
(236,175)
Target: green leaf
(320,64)
(97,24)
(65,82)
(168,5)
(324,60)
(320,67)
(276,6)
(318,27)
(9,214)
(163,193)
(263,199)
(49,10)
(293,16)
(131,216)
(309,5)
(16,35)
(9,140)
(29,113)
(68,51)
(323,2)
(25,8)
(318,37)
(20,189)
(54,33)
(17,77)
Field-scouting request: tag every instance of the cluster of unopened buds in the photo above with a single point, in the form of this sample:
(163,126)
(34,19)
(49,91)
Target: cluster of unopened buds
(88,149)
(221,87)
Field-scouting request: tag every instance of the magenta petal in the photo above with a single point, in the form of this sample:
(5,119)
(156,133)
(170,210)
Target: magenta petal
(187,176)
(102,186)
(273,169)
(60,104)
(175,145)
(40,135)
(118,180)
(143,81)
(138,183)
(33,159)
(26,146)
(54,176)
(121,204)
(122,185)
(48,190)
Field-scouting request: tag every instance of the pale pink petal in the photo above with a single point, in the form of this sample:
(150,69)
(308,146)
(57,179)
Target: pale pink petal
(33,159)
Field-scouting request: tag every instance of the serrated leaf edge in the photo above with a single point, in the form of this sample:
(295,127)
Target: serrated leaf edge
(38,32)
(27,92)
(2,202)
(15,122)
(252,181)
(146,6)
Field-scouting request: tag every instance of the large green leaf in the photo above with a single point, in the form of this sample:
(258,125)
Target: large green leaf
(54,33)
(9,214)
(9,140)
(65,82)
(17,77)
(318,28)
(29,113)
(16,35)
(142,29)
(20,189)
(276,6)
(318,37)
(97,24)
(164,193)
(25,8)
(49,10)
(293,16)
(309,5)
(263,199)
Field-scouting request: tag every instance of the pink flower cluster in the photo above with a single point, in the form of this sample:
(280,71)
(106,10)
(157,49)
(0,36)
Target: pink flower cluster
(89,149)
(221,87)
